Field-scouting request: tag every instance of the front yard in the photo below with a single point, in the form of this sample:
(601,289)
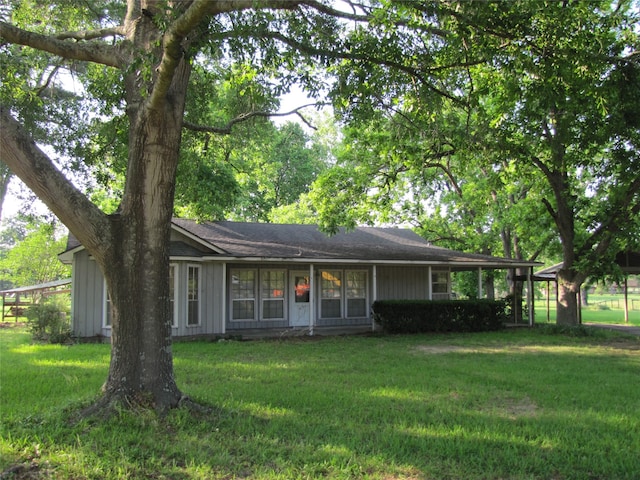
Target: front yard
(516,404)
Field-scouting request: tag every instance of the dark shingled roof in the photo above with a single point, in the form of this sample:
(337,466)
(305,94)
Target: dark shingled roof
(265,240)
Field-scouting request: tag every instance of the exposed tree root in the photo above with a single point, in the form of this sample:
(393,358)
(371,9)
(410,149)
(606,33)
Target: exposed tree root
(108,406)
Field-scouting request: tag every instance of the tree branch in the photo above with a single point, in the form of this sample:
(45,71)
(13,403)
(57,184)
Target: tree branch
(372,59)
(226,129)
(178,30)
(550,209)
(88,52)
(20,153)
(93,34)
(366,18)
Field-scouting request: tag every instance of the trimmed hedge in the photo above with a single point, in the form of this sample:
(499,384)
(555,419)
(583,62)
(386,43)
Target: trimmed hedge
(420,316)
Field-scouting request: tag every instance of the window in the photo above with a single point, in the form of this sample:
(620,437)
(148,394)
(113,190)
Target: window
(331,294)
(272,289)
(343,299)
(106,312)
(193,296)
(267,286)
(172,295)
(356,294)
(440,281)
(243,294)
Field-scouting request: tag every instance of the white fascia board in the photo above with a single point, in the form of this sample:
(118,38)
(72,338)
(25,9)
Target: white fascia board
(67,257)
(350,261)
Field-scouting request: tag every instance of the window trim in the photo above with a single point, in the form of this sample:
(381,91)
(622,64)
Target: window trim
(366,293)
(344,299)
(232,271)
(283,298)
(176,284)
(434,275)
(106,300)
(199,298)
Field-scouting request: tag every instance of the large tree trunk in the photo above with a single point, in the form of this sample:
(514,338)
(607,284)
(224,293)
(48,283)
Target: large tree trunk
(141,368)
(567,304)
(137,268)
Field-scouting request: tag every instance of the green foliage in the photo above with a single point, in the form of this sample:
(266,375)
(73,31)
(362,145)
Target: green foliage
(32,259)
(50,321)
(407,316)
(518,138)
(570,330)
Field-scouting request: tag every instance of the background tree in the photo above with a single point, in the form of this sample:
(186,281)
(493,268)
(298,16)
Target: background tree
(29,254)
(547,120)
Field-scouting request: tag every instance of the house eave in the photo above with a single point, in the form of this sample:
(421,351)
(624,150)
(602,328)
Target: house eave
(66,257)
(196,238)
(470,265)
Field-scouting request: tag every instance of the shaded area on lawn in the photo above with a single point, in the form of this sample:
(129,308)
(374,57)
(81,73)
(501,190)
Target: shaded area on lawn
(513,404)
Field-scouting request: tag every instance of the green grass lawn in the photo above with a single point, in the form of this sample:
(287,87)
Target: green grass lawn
(517,404)
(601,309)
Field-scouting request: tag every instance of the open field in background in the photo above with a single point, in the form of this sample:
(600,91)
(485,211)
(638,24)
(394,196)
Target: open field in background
(516,404)
(601,309)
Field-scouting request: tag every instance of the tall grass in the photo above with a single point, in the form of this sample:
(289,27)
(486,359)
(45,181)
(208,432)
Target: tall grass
(513,404)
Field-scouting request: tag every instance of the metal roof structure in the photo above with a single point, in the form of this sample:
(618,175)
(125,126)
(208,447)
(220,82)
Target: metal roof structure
(38,287)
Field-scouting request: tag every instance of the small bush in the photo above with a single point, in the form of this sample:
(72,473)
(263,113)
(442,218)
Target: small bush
(49,322)
(415,316)
(569,330)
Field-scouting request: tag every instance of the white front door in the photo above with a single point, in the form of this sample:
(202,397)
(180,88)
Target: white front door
(299,305)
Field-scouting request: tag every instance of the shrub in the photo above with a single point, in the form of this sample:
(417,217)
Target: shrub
(49,322)
(569,330)
(419,316)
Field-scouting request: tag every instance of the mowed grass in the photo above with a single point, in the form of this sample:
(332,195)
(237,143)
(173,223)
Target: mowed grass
(607,309)
(517,404)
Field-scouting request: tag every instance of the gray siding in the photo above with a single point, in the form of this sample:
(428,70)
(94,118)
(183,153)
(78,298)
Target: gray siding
(393,282)
(88,297)
(88,300)
(405,283)
(210,295)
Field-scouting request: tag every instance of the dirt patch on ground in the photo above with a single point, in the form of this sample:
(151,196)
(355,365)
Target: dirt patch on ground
(12,324)
(514,408)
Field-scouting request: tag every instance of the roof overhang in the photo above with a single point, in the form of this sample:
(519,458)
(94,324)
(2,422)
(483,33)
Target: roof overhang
(454,266)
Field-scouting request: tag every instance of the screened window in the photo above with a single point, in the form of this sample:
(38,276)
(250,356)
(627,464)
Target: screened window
(193,296)
(243,294)
(356,293)
(272,293)
(440,281)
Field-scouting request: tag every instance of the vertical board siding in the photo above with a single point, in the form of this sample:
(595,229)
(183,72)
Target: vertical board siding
(403,283)
(88,301)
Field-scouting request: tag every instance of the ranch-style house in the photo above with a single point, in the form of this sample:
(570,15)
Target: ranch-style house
(232,278)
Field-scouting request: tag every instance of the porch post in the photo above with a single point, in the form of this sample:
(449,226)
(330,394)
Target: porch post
(429,284)
(530,295)
(375,293)
(548,301)
(312,299)
(479,282)
(224,298)
(626,298)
